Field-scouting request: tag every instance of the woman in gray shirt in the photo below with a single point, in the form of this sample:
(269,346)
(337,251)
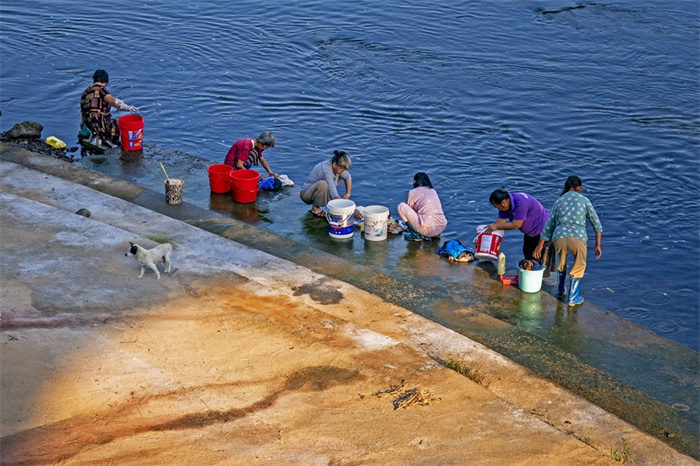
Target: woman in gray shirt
(322,184)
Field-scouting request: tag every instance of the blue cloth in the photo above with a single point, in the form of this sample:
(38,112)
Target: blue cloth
(269,184)
(452,247)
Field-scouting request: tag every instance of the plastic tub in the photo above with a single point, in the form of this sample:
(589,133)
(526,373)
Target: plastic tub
(530,280)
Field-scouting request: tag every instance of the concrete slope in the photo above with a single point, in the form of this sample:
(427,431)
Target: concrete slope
(240,357)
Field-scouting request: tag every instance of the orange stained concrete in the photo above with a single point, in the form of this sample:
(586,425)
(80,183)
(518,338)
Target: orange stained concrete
(219,373)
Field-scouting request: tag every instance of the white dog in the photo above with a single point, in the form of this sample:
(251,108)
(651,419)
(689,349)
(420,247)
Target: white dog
(151,257)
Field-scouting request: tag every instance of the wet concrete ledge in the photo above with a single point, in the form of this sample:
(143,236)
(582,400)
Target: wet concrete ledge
(563,368)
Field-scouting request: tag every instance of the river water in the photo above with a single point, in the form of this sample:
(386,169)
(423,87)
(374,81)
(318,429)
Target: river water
(478,94)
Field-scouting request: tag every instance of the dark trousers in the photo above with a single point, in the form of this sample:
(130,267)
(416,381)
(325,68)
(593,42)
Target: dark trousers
(529,245)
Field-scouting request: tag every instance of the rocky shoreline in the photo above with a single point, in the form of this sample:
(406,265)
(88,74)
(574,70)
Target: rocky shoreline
(27,135)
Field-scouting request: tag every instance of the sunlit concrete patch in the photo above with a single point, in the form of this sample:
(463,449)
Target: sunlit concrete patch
(370,340)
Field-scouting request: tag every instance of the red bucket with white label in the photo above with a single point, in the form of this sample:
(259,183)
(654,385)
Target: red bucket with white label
(488,245)
(131,131)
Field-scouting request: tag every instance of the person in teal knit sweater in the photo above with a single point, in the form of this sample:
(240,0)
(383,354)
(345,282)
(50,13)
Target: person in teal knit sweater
(566,227)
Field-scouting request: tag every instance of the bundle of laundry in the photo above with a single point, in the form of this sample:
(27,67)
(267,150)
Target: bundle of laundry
(285,180)
(454,251)
(269,184)
(529,264)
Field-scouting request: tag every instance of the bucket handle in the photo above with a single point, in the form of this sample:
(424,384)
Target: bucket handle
(228,175)
(337,223)
(244,190)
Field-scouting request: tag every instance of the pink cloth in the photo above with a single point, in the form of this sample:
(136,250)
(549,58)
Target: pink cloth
(424,211)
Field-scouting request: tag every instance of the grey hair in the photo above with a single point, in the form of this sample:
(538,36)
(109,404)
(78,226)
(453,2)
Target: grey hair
(342,159)
(266,139)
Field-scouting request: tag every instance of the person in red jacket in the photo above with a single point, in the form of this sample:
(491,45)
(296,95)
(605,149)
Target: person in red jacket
(248,152)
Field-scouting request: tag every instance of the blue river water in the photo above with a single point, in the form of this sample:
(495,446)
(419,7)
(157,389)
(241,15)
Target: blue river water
(478,94)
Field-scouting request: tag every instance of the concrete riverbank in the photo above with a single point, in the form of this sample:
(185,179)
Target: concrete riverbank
(272,354)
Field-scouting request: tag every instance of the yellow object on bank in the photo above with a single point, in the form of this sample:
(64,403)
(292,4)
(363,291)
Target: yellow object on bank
(53,141)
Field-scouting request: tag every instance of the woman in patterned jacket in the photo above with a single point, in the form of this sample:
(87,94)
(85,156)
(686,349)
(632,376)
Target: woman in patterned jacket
(95,105)
(566,227)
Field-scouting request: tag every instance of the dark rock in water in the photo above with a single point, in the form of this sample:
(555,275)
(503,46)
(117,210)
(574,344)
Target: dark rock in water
(84,213)
(27,135)
(25,130)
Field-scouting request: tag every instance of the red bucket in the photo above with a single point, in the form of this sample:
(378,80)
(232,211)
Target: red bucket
(244,185)
(131,131)
(220,178)
(488,245)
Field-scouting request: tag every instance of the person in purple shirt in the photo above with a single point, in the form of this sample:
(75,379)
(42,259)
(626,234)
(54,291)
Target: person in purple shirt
(519,211)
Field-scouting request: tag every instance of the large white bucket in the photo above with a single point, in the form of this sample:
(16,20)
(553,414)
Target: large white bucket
(340,216)
(376,219)
(487,244)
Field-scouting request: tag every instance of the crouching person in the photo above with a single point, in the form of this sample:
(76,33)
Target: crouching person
(322,184)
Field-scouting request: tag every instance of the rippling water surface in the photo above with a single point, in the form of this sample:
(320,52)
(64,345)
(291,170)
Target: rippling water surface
(479,94)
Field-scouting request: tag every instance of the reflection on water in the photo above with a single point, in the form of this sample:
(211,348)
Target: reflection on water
(132,162)
(222,203)
(608,92)
(246,212)
(531,309)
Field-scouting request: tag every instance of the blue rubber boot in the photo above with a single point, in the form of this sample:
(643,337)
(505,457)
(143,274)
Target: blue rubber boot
(574,289)
(412,234)
(561,284)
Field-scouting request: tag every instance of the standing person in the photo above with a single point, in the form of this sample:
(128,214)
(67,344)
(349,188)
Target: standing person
(321,185)
(522,212)
(95,105)
(422,213)
(247,152)
(567,228)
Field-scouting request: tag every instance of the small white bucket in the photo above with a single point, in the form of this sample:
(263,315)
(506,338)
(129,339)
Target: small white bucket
(376,219)
(340,213)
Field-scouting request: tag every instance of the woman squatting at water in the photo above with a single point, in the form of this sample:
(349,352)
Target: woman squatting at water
(422,213)
(322,183)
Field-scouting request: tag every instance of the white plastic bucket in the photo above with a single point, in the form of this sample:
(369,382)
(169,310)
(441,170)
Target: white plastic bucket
(487,245)
(376,220)
(530,281)
(340,213)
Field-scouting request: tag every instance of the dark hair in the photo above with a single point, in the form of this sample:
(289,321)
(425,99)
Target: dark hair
(572,182)
(421,179)
(499,196)
(342,159)
(100,76)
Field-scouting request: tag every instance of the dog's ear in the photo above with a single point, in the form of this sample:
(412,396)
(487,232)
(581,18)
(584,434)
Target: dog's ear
(131,243)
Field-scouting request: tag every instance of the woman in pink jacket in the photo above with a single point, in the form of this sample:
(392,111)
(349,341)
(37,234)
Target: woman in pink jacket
(423,213)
